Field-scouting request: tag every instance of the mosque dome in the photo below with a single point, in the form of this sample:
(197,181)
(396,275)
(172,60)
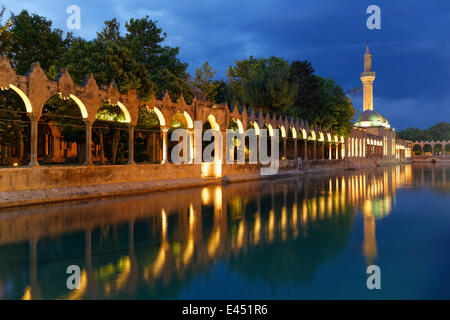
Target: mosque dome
(371,118)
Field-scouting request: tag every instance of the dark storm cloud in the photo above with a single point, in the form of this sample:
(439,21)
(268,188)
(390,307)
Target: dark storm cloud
(411,53)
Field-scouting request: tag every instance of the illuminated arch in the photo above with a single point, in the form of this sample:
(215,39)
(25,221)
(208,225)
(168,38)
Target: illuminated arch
(304,134)
(84,112)
(256,127)
(336,139)
(321,136)
(212,121)
(269,127)
(240,126)
(125,111)
(24,97)
(329,137)
(190,123)
(294,132)
(162,121)
(312,134)
(283,131)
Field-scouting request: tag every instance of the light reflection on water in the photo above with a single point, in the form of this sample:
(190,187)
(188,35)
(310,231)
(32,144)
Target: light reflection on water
(299,237)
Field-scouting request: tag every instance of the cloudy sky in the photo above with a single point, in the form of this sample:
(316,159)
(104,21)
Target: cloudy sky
(411,52)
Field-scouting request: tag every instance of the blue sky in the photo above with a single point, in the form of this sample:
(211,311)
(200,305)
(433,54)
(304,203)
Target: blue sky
(411,52)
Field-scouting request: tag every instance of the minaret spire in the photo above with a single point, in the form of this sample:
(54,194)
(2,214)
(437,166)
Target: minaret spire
(367,78)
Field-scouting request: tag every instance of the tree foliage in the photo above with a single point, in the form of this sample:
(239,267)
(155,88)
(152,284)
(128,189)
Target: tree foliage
(32,39)
(437,132)
(277,86)
(204,80)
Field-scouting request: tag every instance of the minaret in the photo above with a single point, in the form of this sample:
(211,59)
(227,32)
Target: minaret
(367,78)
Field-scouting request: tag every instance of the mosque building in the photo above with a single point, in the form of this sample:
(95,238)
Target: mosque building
(373,123)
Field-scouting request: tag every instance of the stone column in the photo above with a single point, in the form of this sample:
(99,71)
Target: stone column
(284,148)
(131,143)
(329,151)
(295,148)
(164,146)
(315,150)
(88,124)
(306,149)
(34,139)
(191,145)
(337,151)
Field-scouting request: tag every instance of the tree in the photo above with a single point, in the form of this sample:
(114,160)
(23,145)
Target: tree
(144,39)
(5,34)
(33,40)
(437,132)
(262,83)
(223,92)
(440,131)
(107,60)
(203,80)
(414,134)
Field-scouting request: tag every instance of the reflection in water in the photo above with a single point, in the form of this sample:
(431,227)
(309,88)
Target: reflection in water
(152,246)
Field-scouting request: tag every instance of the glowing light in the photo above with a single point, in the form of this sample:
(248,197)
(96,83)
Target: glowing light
(304,135)
(269,127)
(205,195)
(84,112)
(283,132)
(125,111)
(294,133)
(162,121)
(24,97)
(190,123)
(212,121)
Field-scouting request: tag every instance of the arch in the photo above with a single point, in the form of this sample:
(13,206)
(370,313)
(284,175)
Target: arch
(125,111)
(84,112)
(253,125)
(329,137)
(61,132)
(304,134)
(110,134)
(212,121)
(438,149)
(24,97)
(293,132)
(238,123)
(15,140)
(312,135)
(417,149)
(283,131)
(148,137)
(190,123)
(447,148)
(427,149)
(321,136)
(269,129)
(161,119)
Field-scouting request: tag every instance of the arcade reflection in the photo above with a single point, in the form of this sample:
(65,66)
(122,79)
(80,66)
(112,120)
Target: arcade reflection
(152,246)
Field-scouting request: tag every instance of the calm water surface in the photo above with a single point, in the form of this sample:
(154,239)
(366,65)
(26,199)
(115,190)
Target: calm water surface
(309,237)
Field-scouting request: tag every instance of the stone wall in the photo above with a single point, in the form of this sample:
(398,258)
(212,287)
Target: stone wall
(13,179)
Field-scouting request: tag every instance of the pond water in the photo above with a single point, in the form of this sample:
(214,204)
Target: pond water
(306,237)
